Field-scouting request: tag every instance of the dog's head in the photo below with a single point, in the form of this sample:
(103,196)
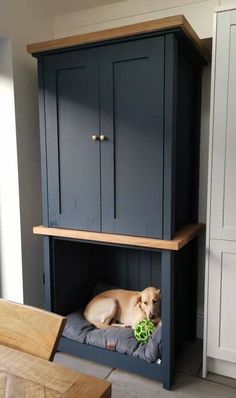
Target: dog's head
(150,302)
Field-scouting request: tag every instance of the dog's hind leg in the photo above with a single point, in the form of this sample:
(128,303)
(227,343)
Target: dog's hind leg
(101,312)
(108,308)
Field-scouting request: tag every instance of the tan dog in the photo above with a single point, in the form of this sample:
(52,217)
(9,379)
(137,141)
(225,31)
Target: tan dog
(124,306)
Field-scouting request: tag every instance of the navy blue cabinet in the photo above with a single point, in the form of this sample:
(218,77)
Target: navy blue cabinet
(113,183)
(120,135)
(119,123)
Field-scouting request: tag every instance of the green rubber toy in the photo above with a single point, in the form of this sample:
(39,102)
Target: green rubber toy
(143,330)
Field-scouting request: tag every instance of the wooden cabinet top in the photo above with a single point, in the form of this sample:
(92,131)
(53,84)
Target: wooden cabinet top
(178,21)
(181,238)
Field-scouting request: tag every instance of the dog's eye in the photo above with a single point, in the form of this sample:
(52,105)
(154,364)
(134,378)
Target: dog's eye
(145,302)
(154,301)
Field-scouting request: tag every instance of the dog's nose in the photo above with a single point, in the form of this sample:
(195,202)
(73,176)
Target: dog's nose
(151,316)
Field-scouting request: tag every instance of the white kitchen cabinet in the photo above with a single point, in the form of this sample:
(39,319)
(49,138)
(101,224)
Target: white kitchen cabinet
(221,301)
(220,287)
(223,195)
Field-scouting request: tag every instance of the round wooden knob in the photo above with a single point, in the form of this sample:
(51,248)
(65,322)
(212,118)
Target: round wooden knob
(102,137)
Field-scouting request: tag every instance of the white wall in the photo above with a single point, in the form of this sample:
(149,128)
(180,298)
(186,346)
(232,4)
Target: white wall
(198,12)
(20,197)
(81,16)
(10,243)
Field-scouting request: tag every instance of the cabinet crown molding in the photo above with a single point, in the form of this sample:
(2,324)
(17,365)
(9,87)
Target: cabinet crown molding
(173,22)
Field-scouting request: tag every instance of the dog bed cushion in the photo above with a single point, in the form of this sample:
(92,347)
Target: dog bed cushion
(117,339)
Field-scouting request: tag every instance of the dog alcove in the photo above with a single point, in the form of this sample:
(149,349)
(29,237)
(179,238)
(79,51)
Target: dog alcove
(81,267)
(80,270)
(91,269)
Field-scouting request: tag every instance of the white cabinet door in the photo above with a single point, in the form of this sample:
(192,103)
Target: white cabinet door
(221,339)
(223,193)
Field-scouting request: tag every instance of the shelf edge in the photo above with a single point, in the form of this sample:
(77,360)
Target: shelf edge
(182,237)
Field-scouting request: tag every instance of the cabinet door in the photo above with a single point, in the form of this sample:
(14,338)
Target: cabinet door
(73,158)
(221,342)
(223,196)
(131,95)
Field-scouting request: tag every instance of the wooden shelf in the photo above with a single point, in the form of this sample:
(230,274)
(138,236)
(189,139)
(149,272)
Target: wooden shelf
(181,238)
(177,21)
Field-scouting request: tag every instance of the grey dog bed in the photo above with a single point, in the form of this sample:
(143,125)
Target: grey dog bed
(117,339)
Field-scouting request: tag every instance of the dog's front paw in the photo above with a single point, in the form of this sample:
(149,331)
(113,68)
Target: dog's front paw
(158,322)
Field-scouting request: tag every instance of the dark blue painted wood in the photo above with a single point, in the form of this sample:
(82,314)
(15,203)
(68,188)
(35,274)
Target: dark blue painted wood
(121,261)
(72,117)
(156,261)
(192,289)
(111,358)
(169,135)
(49,284)
(185,294)
(167,271)
(134,269)
(72,276)
(146,270)
(126,207)
(43,149)
(188,136)
(133,272)
(95,243)
(78,269)
(132,88)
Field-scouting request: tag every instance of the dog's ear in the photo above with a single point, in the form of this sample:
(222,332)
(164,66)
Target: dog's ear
(139,299)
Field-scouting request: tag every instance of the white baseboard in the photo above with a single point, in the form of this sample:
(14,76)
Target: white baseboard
(222,368)
(200,320)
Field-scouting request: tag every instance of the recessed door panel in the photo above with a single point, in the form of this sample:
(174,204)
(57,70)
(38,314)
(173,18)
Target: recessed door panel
(221,341)
(223,220)
(72,118)
(132,86)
